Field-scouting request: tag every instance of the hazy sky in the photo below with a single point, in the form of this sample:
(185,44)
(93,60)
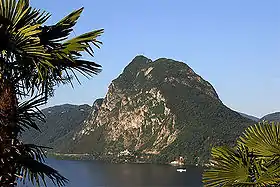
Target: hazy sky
(234,44)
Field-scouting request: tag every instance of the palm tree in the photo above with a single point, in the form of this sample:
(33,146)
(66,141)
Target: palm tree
(34,57)
(255,161)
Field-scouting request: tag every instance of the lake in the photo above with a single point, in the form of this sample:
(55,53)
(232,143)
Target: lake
(97,174)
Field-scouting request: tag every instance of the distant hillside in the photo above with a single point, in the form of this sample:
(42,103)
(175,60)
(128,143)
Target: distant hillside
(157,111)
(271,117)
(249,117)
(61,121)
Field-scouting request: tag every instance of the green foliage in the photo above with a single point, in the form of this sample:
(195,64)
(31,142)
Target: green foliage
(159,108)
(35,57)
(263,138)
(32,166)
(119,144)
(250,117)
(253,162)
(63,156)
(199,116)
(61,123)
(271,117)
(42,52)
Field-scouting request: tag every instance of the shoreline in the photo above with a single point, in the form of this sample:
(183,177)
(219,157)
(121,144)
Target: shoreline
(88,157)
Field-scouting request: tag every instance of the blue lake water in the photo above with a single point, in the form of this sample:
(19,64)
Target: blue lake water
(97,174)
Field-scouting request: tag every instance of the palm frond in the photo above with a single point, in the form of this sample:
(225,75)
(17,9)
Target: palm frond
(32,167)
(36,52)
(35,58)
(50,57)
(26,15)
(228,167)
(28,113)
(239,167)
(51,36)
(20,14)
(263,138)
(82,42)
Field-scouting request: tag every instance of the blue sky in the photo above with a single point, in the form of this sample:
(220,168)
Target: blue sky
(234,44)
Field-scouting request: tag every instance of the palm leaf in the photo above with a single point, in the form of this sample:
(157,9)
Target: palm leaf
(239,167)
(28,113)
(228,167)
(20,14)
(82,42)
(31,166)
(263,138)
(35,58)
(40,48)
(63,55)
(55,33)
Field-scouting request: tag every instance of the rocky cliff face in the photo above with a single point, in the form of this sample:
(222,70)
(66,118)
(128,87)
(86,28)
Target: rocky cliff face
(157,111)
(86,128)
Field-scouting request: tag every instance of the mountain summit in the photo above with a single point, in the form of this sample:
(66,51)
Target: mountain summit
(158,111)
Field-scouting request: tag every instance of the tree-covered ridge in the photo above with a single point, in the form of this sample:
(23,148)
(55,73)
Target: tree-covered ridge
(62,122)
(271,117)
(163,70)
(249,117)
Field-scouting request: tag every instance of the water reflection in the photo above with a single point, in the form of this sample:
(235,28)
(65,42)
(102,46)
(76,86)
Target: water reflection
(93,174)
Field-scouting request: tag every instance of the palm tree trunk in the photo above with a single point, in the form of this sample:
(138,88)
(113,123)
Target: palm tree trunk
(8,133)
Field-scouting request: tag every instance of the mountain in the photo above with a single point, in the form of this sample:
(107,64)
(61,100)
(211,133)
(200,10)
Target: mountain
(83,130)
(271,117)
(250,117)
(156,111)
(61,123)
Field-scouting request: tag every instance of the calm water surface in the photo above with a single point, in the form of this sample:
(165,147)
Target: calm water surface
(97,174)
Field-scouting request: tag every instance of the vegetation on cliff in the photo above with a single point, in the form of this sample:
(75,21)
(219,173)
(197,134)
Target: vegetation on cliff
(61,122)
(160,110)
(250,117)
(271,117)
